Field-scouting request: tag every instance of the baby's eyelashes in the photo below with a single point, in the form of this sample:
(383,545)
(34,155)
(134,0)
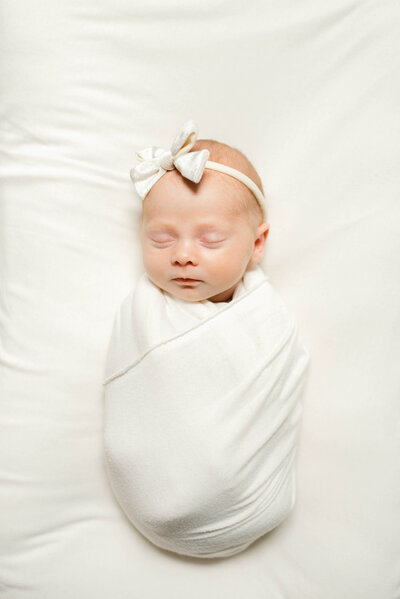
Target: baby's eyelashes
(162,239)
(165,240)
(212,243)
(211,239)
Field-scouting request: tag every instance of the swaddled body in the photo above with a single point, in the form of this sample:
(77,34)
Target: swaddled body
(205,368)
(201,416)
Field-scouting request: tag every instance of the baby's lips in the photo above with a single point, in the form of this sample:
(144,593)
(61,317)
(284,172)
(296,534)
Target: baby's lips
(186,280)
(187,277)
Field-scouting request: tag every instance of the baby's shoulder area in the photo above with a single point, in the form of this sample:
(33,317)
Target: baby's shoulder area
(141,289)
(256,282)
(261,302)
(276,320)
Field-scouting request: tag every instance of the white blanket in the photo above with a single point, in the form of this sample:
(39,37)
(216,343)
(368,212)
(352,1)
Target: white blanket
(313,101)
(201,416)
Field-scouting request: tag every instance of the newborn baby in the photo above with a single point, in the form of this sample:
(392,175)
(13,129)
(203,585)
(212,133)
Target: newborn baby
(198,240)
(204,368)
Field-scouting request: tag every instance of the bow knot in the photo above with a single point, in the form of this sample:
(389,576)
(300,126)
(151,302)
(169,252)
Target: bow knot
(155,162)
(166,161)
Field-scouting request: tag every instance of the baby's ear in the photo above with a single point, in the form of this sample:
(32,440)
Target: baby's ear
(259,243)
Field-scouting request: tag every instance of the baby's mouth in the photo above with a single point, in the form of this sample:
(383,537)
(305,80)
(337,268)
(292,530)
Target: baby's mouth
(186,281)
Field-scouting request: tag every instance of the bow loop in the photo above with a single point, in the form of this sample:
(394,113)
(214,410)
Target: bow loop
(185,139)
(149,154)
(192,165)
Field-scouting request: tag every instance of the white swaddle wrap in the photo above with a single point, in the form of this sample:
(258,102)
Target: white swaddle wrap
(201,415)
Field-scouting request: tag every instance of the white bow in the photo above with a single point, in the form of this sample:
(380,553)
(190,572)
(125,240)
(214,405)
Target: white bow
(155,162)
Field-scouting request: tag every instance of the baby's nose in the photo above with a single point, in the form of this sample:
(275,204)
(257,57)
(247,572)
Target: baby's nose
(184,252)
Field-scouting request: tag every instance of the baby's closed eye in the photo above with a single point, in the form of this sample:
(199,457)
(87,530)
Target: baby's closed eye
(212,239)
(162,239)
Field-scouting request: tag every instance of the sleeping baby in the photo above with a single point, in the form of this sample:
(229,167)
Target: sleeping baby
(205,368)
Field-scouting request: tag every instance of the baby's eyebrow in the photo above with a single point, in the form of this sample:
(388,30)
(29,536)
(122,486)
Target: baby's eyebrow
(167,224)
(208,225)
(159,224)
(214,224)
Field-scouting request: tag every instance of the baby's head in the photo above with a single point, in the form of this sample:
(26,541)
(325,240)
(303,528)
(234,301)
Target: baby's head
(208,233)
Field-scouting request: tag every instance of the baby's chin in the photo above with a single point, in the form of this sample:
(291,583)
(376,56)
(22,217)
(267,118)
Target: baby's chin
(196,295)
(189,295)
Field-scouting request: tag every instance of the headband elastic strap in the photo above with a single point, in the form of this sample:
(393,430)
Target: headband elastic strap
(216,166)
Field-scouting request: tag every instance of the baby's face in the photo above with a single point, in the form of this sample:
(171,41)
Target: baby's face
(193,246)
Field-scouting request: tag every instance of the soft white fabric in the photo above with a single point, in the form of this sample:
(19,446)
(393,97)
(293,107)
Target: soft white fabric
(202,406)
(309,91)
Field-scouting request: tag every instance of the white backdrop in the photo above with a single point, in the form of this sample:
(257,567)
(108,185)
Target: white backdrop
(310,92)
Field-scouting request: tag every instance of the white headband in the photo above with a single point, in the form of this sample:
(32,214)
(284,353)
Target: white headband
(155,162)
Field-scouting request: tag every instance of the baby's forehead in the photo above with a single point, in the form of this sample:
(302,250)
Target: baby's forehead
(173,197)
(169,217)
(212,182)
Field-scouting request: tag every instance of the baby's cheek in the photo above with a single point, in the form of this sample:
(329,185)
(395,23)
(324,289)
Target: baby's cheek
(153,261)
(221,260)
